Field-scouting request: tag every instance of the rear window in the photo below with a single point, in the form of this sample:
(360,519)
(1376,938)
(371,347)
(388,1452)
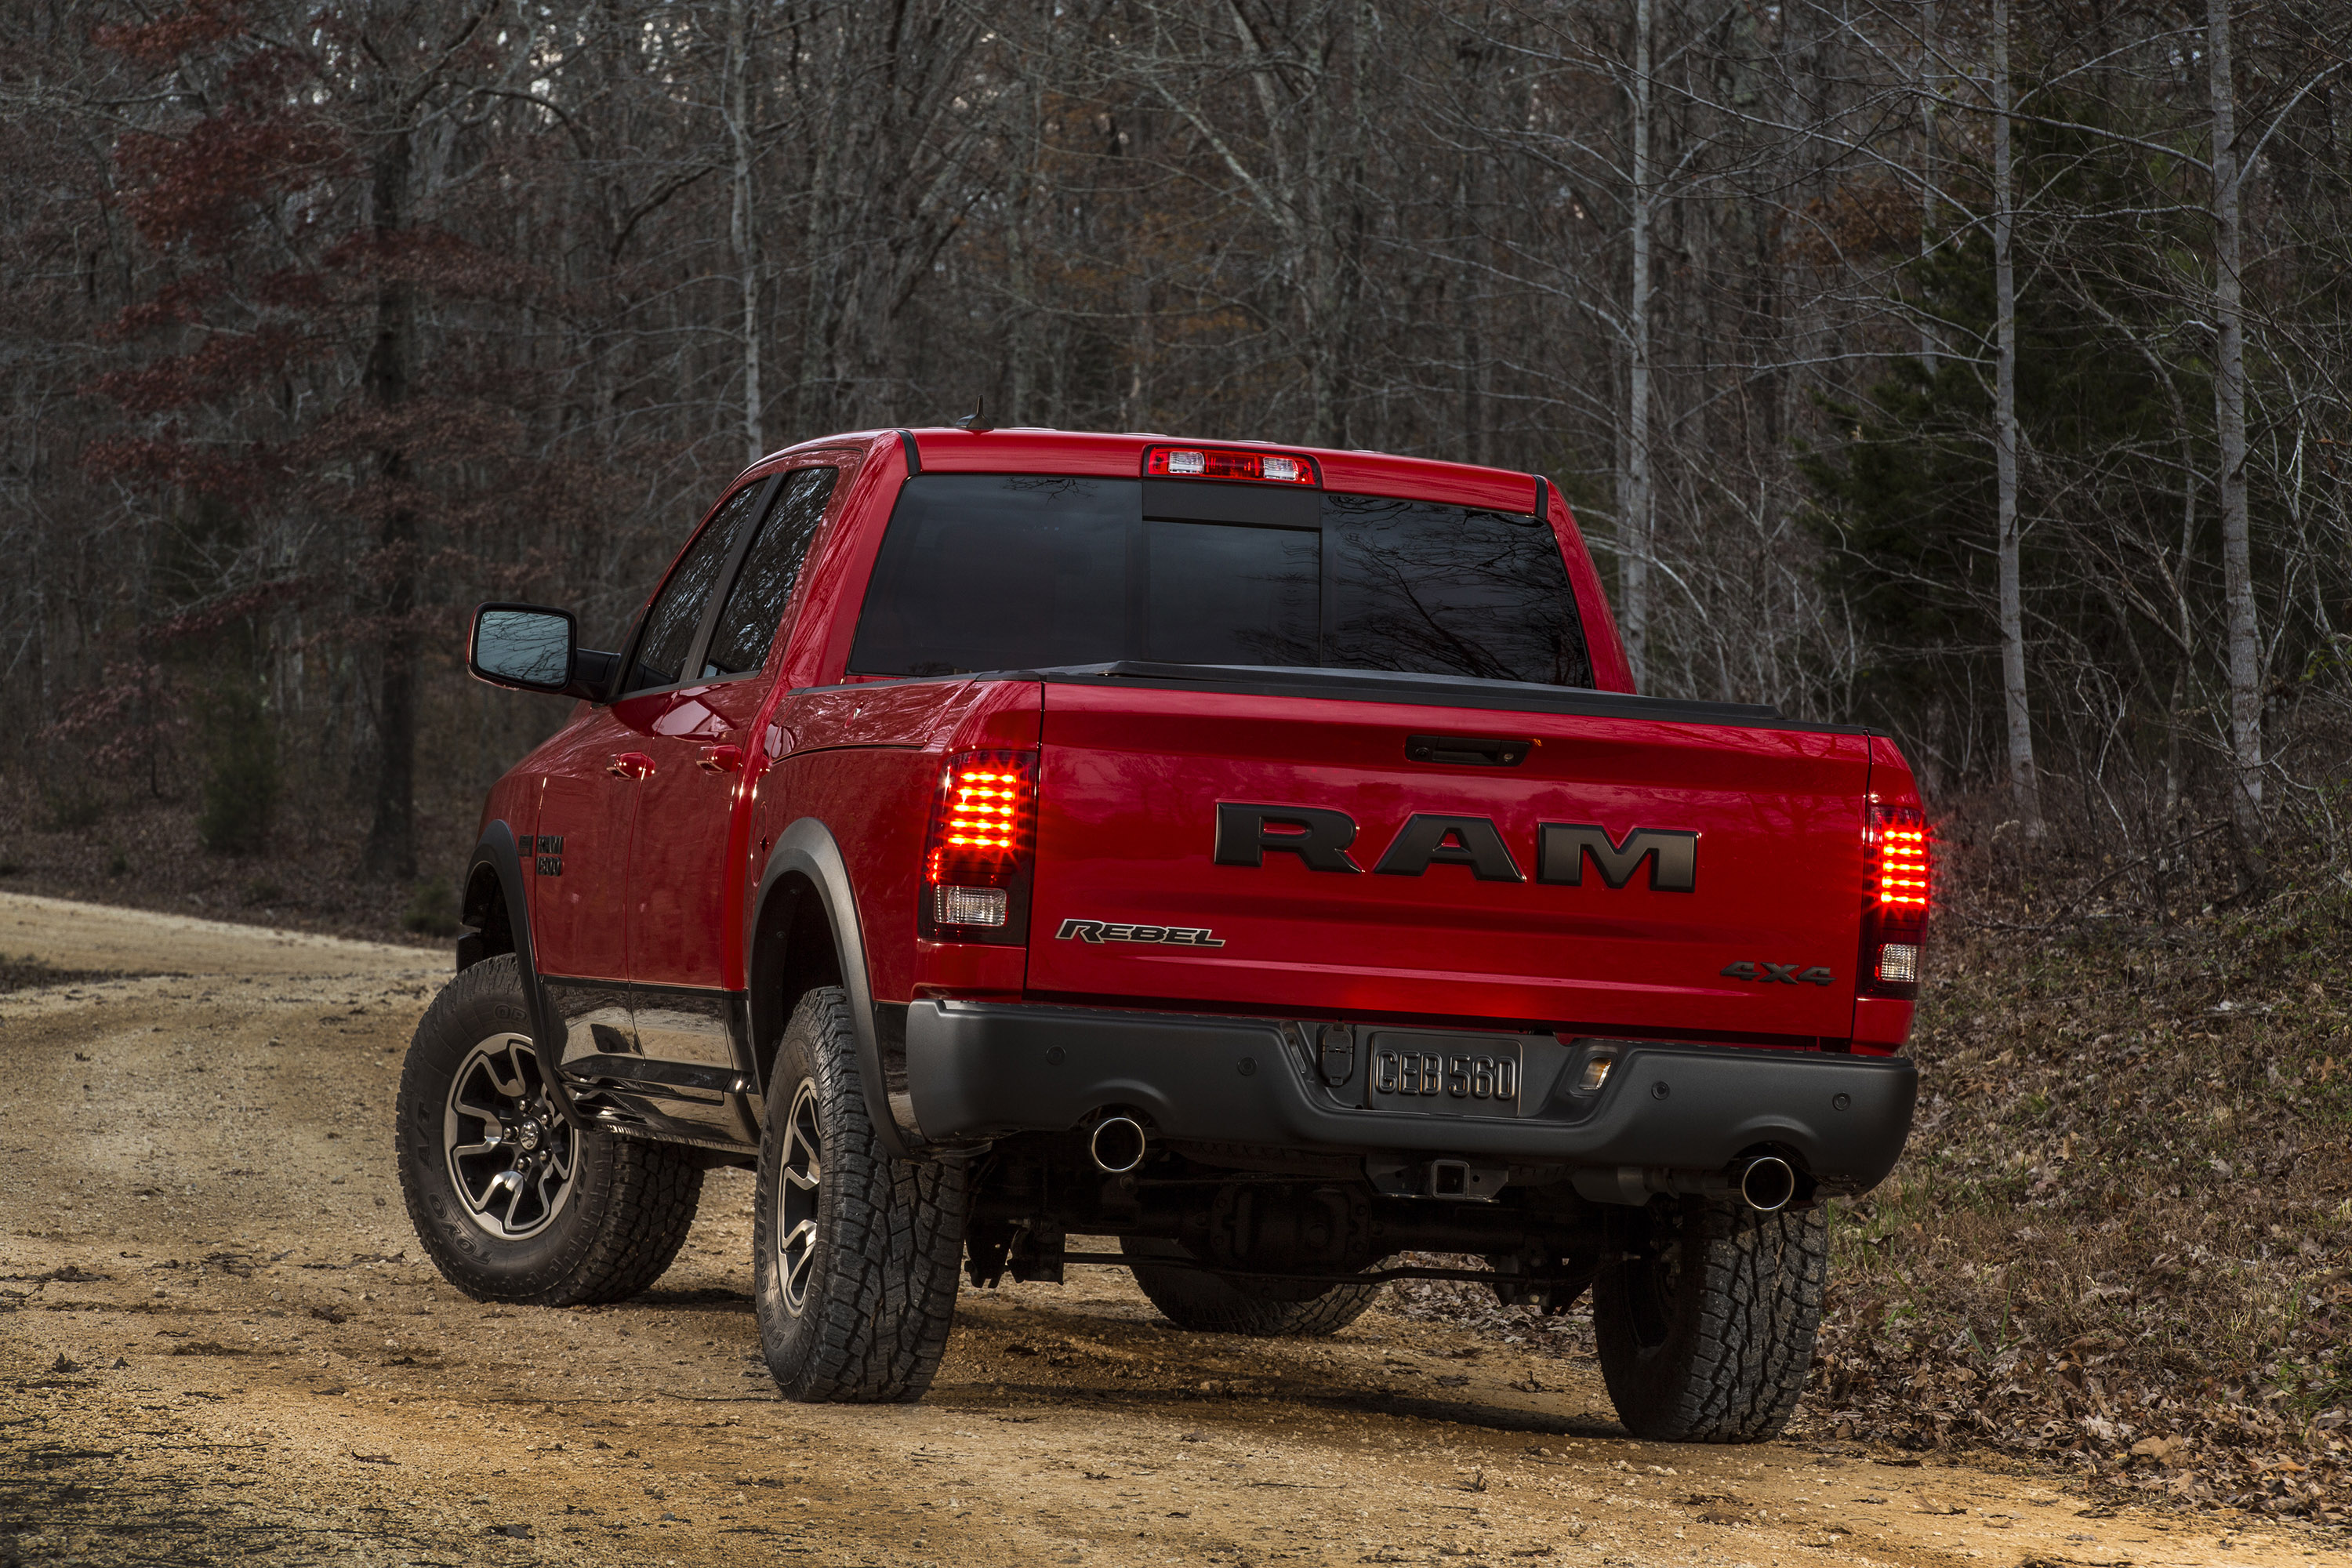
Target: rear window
(984,571)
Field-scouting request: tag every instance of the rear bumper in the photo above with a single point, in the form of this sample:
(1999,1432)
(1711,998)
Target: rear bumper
(979,1070)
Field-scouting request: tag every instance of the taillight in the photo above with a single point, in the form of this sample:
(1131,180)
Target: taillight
(1229,463)
(1894,906)
(982,841)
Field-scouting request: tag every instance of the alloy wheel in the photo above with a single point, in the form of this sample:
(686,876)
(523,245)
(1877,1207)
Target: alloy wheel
(511,1154)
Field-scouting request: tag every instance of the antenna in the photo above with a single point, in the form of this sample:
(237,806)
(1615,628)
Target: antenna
(976,419)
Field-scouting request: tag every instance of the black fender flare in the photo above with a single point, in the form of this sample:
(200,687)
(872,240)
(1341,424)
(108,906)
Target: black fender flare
(807,849)
(497,849)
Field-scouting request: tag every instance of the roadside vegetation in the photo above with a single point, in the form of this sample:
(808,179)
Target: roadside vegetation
(2120,1238)
(149,851)
(2120,1242)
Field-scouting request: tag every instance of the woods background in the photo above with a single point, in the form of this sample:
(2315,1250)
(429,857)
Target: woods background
(1977,373)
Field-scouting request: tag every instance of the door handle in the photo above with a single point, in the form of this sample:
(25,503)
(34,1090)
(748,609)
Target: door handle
(629,765)
(721,759)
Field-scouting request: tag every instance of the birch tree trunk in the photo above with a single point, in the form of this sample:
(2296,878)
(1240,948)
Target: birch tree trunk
(2230,427)
(740,225)
(2025,786)
(1635,533)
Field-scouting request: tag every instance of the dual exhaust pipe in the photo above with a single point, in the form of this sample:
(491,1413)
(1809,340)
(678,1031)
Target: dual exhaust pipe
(1765,1183)
(1118,1142)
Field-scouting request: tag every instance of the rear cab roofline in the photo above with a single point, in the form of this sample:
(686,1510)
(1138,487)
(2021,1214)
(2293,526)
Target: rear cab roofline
(945,450)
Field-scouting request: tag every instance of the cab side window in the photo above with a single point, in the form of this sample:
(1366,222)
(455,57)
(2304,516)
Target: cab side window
(755,605)
(677,614)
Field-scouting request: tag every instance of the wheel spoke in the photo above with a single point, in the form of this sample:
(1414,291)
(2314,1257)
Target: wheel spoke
(799,1250)
(800,1174)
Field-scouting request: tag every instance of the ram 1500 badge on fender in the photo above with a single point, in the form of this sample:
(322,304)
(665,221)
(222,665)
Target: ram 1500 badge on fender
(1259,854)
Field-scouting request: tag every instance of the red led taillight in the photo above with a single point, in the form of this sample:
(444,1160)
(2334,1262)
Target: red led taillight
(1230,463)
(1894,906)
(977,857)
(1902,859)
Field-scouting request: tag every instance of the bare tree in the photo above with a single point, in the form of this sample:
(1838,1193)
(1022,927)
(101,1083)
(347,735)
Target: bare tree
(742,232)
(1871,336)
(2244,644)
(1637,524)
(2024,783)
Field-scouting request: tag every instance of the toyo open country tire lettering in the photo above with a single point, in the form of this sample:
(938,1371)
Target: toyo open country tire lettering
(1706,1318)
(854,1254)
(511,1201)
(1224,1304)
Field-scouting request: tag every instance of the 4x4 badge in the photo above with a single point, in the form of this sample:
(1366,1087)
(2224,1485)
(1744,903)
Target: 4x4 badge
(1109,931)
(1780,974)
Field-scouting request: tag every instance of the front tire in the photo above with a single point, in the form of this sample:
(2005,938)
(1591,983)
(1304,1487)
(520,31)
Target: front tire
(855,1253)
(511,1201)
(1221,1304)
(1706,1318)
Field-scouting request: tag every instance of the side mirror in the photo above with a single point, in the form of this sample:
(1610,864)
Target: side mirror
(532,648)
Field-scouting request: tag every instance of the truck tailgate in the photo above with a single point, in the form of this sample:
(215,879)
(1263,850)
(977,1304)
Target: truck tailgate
(1425,911)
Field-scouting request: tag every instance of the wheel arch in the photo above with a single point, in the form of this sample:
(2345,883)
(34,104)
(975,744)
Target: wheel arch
(805,932)
(496,906)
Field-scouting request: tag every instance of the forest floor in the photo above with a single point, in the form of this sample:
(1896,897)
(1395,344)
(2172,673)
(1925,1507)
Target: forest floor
(2119,1242)
(142,850)
(218,1342)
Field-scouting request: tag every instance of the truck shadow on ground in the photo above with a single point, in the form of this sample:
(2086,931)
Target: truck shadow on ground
(1008,1350)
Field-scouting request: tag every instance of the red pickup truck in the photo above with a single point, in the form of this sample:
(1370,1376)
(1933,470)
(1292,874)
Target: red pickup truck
(1255,854)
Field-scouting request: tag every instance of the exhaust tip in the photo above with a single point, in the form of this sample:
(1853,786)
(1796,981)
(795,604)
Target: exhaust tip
(1118,1144)
(1767,1183)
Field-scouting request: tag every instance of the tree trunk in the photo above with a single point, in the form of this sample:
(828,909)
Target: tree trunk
(1927,341)
(391,850)
(1635,504)
(741,229)
(2230,427)
(2025,786)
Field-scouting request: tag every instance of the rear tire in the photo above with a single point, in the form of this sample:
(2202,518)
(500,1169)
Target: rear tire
(511,1201)
(853,1253)
(1706,1319)
(1223,1304)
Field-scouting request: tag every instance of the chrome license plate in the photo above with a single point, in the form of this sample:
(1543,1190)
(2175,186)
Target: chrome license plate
(1431,1072)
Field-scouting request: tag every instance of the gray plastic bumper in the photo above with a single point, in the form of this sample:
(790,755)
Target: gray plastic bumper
(983,1070)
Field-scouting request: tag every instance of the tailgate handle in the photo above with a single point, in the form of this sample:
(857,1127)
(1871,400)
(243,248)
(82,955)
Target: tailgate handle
(1473,750)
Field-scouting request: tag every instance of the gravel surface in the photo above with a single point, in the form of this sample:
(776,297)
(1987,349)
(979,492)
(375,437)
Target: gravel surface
(219,1342)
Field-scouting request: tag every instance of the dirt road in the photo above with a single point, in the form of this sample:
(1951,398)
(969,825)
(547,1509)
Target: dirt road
(219,1342)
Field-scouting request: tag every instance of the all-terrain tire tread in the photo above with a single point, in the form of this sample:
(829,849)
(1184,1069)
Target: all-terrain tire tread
(886,1297)
(654,1192)
(1735,1363)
